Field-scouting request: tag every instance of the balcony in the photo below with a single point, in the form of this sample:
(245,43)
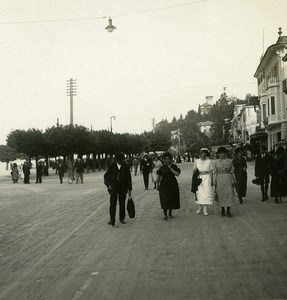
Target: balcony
(274,81)
(275,119)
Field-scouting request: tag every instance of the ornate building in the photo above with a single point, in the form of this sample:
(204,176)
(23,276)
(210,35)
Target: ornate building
(271,73)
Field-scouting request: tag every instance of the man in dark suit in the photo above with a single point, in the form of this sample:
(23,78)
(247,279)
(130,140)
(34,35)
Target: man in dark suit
(146,169)
(118,181)
(263,164)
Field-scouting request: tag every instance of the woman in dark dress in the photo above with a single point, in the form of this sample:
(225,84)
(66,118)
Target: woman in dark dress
(278,181)
(240,167)
(168,186)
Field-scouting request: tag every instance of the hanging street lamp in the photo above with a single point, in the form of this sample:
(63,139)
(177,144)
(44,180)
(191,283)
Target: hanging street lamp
(110,27)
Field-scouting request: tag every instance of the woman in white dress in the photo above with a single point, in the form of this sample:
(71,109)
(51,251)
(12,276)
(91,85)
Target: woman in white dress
(156,165)
(204,195)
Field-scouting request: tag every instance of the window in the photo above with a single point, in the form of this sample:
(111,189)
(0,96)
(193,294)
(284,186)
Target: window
(278,136)
(264,111)
(272,104)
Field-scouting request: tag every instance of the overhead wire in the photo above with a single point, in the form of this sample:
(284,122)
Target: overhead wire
(103,17)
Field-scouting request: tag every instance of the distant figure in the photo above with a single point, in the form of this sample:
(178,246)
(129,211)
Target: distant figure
(278,180)
(118,181)
(263,164)
(167,185)
(39,172)
(240,173)
(79,168)
(129,160)
(61,171)
(155,166)
(26,171)
(14,173)
(146,168)
(136,163)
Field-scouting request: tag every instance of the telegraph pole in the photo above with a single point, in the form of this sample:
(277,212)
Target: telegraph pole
(71,91)
(153,124)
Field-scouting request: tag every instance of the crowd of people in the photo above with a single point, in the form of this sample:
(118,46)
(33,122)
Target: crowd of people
(222,179)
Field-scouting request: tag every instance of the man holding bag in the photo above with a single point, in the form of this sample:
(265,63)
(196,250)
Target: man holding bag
(119,183)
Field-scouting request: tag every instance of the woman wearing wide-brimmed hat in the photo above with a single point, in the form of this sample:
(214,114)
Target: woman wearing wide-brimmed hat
(203,195)
(167,185)
(224,181)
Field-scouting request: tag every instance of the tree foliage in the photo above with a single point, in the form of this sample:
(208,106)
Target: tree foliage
(7,153)
(29,142)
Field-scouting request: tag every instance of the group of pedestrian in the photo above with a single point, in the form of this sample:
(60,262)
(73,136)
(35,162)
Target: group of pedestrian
(223,180)
(267,166)
(214,181)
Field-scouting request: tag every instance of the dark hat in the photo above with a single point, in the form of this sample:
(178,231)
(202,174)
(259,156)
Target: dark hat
(222,150)
(280,151)
(239,149)
(119,157)
(167,154)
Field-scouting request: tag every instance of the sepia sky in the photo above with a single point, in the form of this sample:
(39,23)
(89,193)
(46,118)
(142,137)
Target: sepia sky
(163,59)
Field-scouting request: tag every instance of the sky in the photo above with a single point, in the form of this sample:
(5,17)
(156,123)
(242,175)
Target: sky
(163,59)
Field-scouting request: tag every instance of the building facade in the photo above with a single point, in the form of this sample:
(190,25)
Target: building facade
(205,127)
(245,122)
(206,107)
(270,75)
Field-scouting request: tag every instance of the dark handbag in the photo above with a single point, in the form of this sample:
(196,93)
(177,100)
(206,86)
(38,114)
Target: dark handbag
(131,207)
(196,181)
(256,181)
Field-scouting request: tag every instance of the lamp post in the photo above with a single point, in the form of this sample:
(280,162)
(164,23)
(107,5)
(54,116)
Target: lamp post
(111,122)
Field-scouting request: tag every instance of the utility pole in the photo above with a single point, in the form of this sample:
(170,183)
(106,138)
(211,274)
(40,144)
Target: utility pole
(153,124)
(111,122)
(71,91)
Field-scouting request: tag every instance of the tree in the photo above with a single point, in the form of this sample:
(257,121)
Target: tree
(7,154)
(221,114)
(29,142)
(158,141)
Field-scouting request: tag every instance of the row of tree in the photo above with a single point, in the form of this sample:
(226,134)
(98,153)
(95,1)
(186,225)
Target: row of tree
(67,140)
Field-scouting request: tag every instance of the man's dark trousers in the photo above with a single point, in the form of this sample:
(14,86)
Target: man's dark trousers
(146,179)
(264,185)
(116,194)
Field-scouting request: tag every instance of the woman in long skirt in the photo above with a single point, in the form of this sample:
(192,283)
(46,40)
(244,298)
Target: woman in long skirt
(15,173)
(224,181)
(204,195)
(278,181)
(168,186)
(240,166)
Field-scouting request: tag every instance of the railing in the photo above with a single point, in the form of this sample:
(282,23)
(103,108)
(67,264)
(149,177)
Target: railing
(274,81)
(273,119)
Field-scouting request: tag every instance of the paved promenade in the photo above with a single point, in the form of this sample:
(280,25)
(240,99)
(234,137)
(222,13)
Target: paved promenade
(55,243)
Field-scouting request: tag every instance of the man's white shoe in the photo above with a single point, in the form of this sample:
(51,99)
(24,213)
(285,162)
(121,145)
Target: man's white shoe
(205,211)
(199,210)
